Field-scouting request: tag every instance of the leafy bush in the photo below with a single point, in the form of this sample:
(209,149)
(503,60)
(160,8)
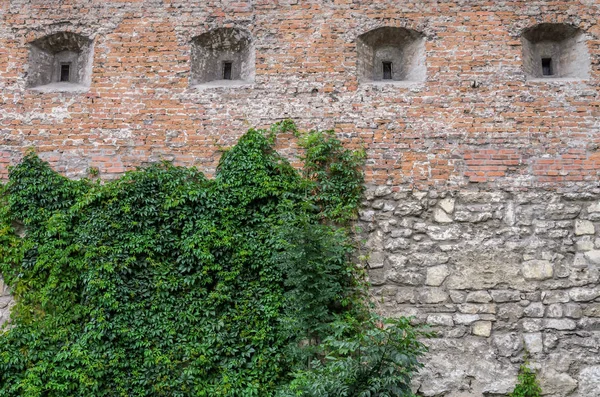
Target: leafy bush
(527,383)
(165,283)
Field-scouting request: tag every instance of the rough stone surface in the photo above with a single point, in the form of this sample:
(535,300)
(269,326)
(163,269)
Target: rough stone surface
(583,227)
(482,328)
(482,177)
(589,381)
(537,270)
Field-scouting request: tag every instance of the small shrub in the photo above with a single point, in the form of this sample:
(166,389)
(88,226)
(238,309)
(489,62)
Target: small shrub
(527,384)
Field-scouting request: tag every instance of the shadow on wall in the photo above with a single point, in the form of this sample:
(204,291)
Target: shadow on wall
(60,62)
(223,57)
(390,54)
(555,51)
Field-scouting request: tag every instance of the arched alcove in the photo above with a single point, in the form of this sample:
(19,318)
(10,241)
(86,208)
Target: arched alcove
(555,50)
(390,54)
(60,62)
(221,57)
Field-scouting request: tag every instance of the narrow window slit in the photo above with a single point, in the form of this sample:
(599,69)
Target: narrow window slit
(387,70)
(65,72)
(547,67)
(227,70)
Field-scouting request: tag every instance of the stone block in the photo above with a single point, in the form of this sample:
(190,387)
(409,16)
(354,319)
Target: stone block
(593,256)
(508,345)
(432,295)
(535,309)
(465,319)
(503,296)
(440,320)
(573,310)
(560,324)
(441,217)
(589,381)
(584,294)
(583,227)
(479,297)
(537,270)
(482,328)
(592,310)
(557,383)
(436,275)
(558,296)
(447,205)
(533,342)
(555,310)
(376,260)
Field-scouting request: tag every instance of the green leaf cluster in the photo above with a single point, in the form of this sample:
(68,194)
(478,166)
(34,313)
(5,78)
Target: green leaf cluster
(527,383)
(166,283)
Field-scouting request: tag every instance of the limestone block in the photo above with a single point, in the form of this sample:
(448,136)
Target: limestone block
(375,260)
(440,216)
(408,209)
(594,207)
(432,295)
(457,296)
(554,311)
(537,270)
(550,341)
(557,383)
(533,342)
(5,301)
(440,319)
(573,310)
(508,345)
(465,319)
(584,294)
(560,324)
(589,381)
(366,215)
(479,297)
(382,191)
(532,325)
(535,309)
(471,308)
(405,295)
(511,312)
(593,256)
(592,310)
(559,296)
(583,227)
(444,233)
(503,296)
(436,275)
(584,245)
(482,270)
(447,205)
(482,328)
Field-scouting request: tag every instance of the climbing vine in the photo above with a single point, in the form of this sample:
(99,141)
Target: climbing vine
(166,283)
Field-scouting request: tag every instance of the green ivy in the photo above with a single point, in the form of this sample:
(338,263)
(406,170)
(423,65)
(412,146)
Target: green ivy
(166,283)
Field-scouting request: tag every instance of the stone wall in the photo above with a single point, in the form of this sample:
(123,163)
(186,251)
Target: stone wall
(482,217)
(494,272)
(6,302)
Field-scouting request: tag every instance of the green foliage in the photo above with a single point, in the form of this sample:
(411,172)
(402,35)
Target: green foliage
(378,358)
(336,174)
(165,283)
(527,384)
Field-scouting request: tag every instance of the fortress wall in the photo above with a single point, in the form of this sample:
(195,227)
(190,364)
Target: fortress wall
(483,204)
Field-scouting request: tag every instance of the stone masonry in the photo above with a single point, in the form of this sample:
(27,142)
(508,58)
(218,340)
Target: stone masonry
(482,216)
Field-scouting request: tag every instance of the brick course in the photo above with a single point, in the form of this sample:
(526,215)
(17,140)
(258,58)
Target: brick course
(140,107)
